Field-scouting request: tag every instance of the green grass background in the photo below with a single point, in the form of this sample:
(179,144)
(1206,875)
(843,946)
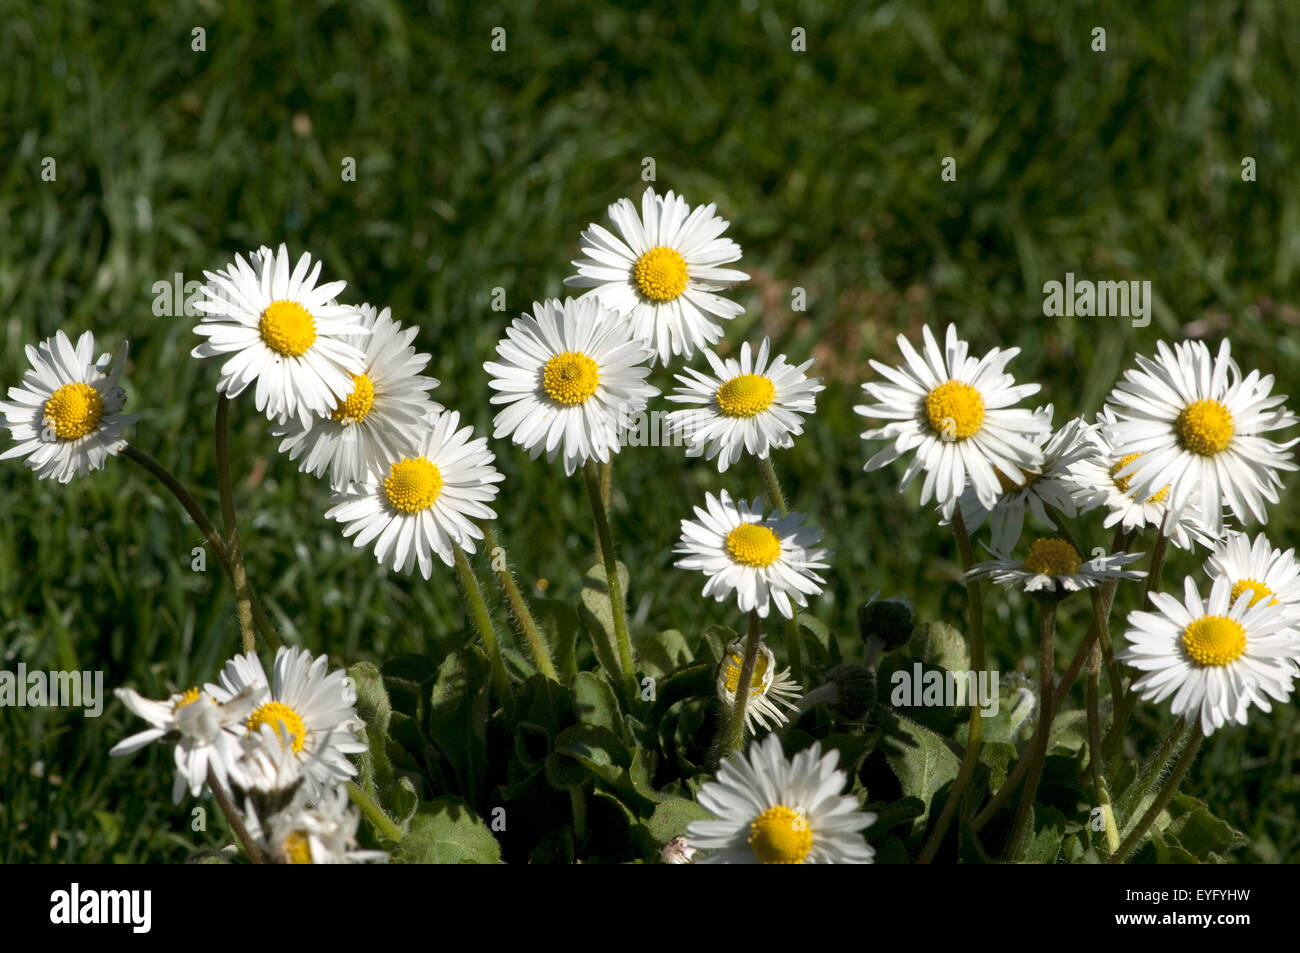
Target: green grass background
(478,170)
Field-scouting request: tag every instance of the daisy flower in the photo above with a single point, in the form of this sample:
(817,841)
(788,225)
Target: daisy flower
(207,731)
(572,375)
(773,811)
(1096,481)
(281,331)
(768,688)
(1196,423)
(661,271)
(424,504)
(1215,656)
(309,707)
(744,406)
(321,832)
(1270,575)
(1049,486)
(66,417)
(955,412)
(1054,567)
(379,420)
(760,559)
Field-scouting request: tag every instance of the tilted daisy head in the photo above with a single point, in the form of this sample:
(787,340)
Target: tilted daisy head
(1053,568)
(281,332)
(1270,575)
(1190,422)
(745,406)
(662,270)
(382,417)
(310,709)
(1215,656)
(67,418)
(315,830)
(761,559)
(772,811)
(955,412)
(571,374)
(769,689)
(425,504)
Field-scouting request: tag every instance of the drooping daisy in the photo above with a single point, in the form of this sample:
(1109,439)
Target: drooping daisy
(1270,575)
(207,731)
(425,504)
(1054,567)
(572,376)
(308,706)
(66,417)
(380,420)
(1215,656)
(761,559)
(773,811)
(768,691)
(1096,481)
(661,271)
(1196,423)
(282,332)
(321,830)
(955,412)
(1048,486)
(744,406)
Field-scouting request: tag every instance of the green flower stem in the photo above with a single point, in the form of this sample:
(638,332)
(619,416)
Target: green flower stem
(578,805)
(377,816)
(1096,766)
(1047,670)
(1128,700)
(736,723)
(606,492)
(975,733)
(1149,773)
(483,622)
(235,820)
(1162,799)
(793,648)
(605,540)
(243,600)
(518,604)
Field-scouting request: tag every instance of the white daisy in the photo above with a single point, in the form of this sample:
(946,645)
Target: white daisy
(1268,574)
(1198,424)
(1214,656)
(268,764)
(769,689)
(321,832)
(207,731)
(308,705)
(745,406)
(379,420)
(282,331)
(424,504)
(1096,482)
(663,271)
(573,377)
(760,559)
(773,811)
(955,412)
(1047,486)
(1054,567)
(66,416)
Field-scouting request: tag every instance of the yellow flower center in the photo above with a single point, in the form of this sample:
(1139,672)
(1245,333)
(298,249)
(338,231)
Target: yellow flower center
(1215,640)
(189,698)
(753,545)
(731,672)
(955,410)
(570,378)
(1258,589)
(287,328)
(358,403)
(1123,482)
(780,836)
(745,395)
(1204,427)
(74,410)
(413,484)
(1052,557)
(279,715)
(297,848)
(660,274)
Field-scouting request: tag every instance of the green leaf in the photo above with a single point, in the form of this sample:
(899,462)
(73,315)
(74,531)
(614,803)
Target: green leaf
(713,644)
(458,710)
(922,761)
(1069,732)
(664,652)
(446,831)
(670,817)
(373,707)
(559,624)
(1199,831)
(938,643)
(594,702)
(821,636)
(598,749)
(1049,836)
(598,615)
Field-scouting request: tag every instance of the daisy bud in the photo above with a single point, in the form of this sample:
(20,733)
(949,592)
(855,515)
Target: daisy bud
(855,691)
(677,851)
(889,620)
